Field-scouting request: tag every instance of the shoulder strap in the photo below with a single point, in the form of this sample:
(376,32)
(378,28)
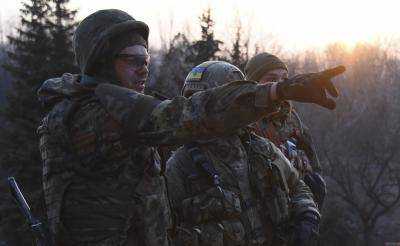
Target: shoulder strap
(201,161)
(301,124)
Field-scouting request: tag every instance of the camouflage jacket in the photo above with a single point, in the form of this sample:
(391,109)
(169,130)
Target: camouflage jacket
(101,173)
(286,130)
(258,193)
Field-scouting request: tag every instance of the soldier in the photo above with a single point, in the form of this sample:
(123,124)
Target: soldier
(101,173)
(238,189)
(285,128)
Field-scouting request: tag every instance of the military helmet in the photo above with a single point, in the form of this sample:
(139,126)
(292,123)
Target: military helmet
(95,30)
(210,74)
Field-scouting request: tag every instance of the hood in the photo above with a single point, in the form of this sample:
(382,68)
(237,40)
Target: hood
(55,90)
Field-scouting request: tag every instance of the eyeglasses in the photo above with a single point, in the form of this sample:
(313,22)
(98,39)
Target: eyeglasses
(136,61)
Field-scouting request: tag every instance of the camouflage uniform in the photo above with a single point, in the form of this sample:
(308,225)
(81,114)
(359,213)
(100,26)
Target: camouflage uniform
(101,173)
(233,190)
(286,130)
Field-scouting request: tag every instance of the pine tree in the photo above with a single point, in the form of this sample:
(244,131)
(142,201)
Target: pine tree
(207,47)
(239,56)
(180,56)
(33,58)
(19,156)
(173,69)
(4,76)
(62,26)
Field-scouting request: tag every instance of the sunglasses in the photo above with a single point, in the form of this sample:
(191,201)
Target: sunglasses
(136,61)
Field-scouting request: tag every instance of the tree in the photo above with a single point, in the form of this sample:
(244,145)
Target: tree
(207,47)
(180,56)
(239,54)
(359,146)
(40,44)
(172,69)
(62,26)
(366,175)
(19,156)
(4,75)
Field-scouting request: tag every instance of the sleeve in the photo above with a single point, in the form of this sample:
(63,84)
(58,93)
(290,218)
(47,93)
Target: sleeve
(307,144)
(300,194)
(206,114)
(302,200)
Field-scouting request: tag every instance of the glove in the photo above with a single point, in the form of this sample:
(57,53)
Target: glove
(305,229)
(311,87)
(318,187)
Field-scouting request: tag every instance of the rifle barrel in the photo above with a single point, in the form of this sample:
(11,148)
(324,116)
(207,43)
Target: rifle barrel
(20,199)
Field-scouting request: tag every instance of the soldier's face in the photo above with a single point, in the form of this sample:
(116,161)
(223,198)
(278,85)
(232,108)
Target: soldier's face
(131,67)
(275,75)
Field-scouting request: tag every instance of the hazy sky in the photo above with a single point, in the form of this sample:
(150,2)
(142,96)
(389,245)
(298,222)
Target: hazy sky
(294,23)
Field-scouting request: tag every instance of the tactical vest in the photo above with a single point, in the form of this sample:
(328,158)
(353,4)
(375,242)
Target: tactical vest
(82,165)
(211,215)
(269,186)
(285,129)
(54,145)
(220,213)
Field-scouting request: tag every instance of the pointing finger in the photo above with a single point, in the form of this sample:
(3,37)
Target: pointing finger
(333,72)
(331,88)
(328,103)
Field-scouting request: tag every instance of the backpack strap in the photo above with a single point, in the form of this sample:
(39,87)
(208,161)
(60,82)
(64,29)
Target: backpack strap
(202,162)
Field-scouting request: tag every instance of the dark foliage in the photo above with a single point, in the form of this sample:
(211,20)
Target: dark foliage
(41,44)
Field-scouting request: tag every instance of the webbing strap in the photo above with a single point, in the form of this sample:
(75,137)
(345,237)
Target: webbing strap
(204,163)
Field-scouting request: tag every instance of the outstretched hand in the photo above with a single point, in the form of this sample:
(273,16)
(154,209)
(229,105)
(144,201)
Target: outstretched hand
(312,87)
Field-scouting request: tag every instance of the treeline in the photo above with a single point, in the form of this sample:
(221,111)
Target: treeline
(179,55)
(358,143)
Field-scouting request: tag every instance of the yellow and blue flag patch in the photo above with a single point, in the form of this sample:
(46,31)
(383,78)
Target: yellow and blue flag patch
(197,72)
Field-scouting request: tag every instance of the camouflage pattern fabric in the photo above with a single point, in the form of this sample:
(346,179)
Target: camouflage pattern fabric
(101,175)
(215,112)
(250,207)
(285,125)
